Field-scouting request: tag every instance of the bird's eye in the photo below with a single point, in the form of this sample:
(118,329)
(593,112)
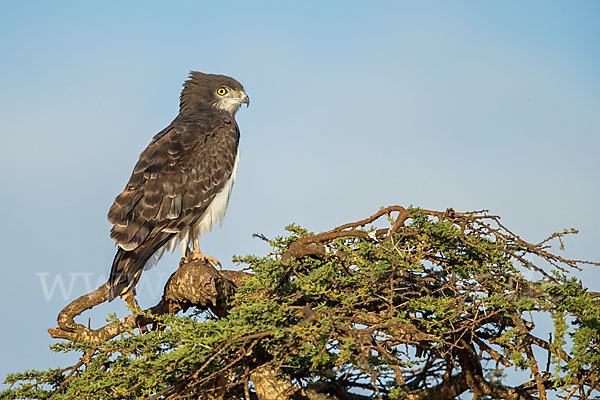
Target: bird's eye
(222,91)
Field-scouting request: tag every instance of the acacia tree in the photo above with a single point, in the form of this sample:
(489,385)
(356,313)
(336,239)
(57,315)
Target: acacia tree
(435,305)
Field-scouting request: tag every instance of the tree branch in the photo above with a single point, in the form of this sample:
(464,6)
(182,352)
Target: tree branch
(196,284)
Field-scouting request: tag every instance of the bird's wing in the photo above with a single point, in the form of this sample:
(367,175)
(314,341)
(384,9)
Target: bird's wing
(175,179)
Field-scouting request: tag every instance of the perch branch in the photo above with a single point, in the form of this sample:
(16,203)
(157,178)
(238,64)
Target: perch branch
(196,284)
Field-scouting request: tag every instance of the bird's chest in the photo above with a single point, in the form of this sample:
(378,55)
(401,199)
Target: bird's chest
(216,209)
(212,161)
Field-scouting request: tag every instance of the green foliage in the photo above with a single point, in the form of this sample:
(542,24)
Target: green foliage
(389,311)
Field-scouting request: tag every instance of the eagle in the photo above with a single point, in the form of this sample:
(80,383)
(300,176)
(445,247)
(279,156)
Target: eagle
(181,184)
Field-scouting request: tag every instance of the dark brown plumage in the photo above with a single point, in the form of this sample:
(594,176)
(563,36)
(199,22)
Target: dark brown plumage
(182,181)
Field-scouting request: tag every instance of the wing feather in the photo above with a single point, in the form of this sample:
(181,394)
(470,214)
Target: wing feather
(172,185)
(175,179)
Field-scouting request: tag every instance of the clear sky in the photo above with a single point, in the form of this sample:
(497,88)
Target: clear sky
(354,105)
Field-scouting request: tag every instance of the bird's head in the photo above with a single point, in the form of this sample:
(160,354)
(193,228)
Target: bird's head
(212,91)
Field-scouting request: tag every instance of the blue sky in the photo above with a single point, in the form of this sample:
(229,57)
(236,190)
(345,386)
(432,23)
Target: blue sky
(470,105)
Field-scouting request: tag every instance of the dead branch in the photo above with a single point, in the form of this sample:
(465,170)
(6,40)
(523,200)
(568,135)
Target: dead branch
(196,284)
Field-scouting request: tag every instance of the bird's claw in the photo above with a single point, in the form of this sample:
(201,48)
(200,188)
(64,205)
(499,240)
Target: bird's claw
(194,256)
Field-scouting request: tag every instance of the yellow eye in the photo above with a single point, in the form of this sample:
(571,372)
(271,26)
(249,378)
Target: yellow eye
(222,91)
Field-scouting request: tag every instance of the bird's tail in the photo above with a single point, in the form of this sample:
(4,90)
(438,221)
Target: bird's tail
(124,274)
(127,266)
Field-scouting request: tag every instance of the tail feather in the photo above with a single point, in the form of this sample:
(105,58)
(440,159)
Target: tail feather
(122,274)
(127,266)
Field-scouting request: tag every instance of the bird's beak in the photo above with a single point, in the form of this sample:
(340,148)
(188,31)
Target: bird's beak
(245,99)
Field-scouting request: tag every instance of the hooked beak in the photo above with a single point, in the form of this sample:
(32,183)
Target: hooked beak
(245,99)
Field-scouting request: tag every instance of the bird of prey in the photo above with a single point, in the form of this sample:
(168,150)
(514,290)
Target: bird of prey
(181,183)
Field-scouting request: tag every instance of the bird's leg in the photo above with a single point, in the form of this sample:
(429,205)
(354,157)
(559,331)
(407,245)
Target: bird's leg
(196,254)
